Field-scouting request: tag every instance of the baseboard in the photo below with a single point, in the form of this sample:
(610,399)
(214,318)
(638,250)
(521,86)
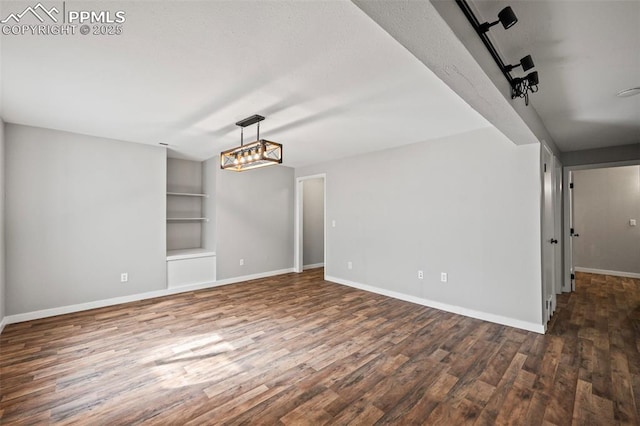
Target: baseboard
(29,316)
(498,319)
(3,322)
(606,272)
(313,266)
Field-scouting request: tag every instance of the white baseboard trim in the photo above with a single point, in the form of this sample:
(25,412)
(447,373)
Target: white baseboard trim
(605,272)
(3,322)
(498,319)
(44,313)
(313,266)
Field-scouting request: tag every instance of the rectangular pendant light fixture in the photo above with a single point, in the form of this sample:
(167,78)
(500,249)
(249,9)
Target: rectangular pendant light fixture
(256,154)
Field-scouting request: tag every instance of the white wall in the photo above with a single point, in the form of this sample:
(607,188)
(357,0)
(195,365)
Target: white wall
(210,171)
(254,221)
(602,155)
(604,201)
(80,210)
(468,205)
(313,221)
(2,243)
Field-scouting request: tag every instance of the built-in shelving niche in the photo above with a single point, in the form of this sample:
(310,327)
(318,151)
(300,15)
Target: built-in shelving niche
(190,255)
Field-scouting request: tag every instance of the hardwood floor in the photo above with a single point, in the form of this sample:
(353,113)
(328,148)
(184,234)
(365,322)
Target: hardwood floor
(295,350)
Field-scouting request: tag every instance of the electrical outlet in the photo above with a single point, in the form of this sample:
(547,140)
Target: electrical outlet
(241,262)
(632,222)
(349,265)
(420,275)
(444,277)
(124,277)
(333,223)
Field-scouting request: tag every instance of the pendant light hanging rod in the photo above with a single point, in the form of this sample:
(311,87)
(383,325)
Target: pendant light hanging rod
(248,122)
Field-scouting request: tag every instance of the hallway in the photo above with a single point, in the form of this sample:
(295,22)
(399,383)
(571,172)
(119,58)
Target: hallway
(598,327)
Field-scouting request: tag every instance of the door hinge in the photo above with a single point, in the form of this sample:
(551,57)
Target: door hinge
(571,231)
(573,276)
(571,185)
(545,167)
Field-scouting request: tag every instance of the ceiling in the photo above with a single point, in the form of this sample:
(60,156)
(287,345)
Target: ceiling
(585,52)
(330,81)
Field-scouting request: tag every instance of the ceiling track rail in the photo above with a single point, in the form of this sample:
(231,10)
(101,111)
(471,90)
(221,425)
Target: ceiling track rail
(520,86)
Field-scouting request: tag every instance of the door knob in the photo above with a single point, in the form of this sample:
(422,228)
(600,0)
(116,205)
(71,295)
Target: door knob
(554,241)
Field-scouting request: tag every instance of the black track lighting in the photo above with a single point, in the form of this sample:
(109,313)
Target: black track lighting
(506,17)
(520,86)
(526,63)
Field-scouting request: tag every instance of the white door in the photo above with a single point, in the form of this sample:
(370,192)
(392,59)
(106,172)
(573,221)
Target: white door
(549,241)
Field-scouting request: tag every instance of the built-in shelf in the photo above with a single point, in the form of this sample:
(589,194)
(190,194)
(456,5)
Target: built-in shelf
(193,253)
(187,194)
(189,263)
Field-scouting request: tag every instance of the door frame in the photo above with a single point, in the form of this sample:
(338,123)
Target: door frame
(559,190)
(298,246)
(569,285)
(547,230)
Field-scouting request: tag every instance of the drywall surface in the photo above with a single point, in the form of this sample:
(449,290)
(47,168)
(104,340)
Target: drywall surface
(254,221)
(80,211)
(2,244)
(605,200)
(313,221)
(210,168)
(602,155)
(440,37)
(467,205)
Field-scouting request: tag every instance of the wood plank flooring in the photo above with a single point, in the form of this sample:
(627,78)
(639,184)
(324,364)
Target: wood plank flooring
(295,350)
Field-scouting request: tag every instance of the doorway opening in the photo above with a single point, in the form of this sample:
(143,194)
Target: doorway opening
(310,223)
(602,220)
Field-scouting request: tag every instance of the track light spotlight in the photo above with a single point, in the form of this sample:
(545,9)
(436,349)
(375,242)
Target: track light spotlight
(521,86)
(526,63)
(506,17)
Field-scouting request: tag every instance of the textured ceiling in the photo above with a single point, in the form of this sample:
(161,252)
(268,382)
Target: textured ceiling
(585,53)
(329,80)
